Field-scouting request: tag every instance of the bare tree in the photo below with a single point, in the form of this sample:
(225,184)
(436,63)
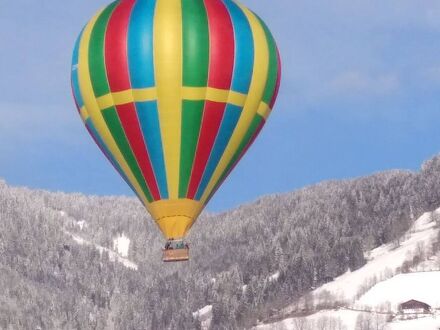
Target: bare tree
(379,321)
(325,300)
(364,322)
(309,302)
(301,323)
(323,323)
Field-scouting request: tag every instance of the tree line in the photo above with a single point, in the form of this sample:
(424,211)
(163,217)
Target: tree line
(307,237)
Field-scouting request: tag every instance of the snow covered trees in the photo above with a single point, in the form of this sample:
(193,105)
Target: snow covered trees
(306,238)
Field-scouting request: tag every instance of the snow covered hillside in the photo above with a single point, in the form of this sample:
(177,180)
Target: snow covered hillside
(373,293)
(113,256)
(352,320)
(121,243)
(382,261)
(427,323)
(69,260)
(423,286)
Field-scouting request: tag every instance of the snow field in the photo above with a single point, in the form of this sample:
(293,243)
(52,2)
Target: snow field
(388,293)
(383,261)
(113,256)
(204,315)
(121,245)
(346,320)
(424,287)
(341,319)
(426,323)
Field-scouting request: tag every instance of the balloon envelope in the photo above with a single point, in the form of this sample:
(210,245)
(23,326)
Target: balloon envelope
(174,92)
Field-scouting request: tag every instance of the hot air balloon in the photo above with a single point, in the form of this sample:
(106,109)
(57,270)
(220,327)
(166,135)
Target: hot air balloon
(174,92)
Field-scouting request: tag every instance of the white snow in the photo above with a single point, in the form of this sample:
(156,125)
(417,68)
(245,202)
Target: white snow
(114,257)
(424,287)
(204,315)
(121,245)
(79,240)
(274,277)
(81,224)
(382,260)
(76,223)
(431,264)
(382,264)
(426,323)
(346,318)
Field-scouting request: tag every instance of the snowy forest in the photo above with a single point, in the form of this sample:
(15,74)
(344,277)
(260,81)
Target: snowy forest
(246,262)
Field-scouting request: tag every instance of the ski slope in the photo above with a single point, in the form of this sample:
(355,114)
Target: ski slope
(121,243)
(113,256)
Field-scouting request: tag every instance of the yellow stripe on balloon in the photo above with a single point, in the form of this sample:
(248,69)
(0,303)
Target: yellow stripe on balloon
(193,93)
(168,68)
(264,110)
(188,93)
(256,90)
(145,94)
(213,94)
(105,101)
(237,99)
(127,96)
(84,114)
(91,104)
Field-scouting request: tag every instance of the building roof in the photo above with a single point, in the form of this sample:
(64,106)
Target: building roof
(410,304)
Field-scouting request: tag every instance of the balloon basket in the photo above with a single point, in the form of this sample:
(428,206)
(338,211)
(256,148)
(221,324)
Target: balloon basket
(175,250)
(175,255)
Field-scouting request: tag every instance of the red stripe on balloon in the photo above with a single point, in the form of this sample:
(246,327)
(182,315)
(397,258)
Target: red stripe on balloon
(221,67)
(116,60)
(277,86)
(127,115)
(116,47)
(222,45)
(212,118)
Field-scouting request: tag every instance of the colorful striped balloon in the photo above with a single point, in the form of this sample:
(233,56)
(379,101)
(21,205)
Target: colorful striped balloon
(174,92)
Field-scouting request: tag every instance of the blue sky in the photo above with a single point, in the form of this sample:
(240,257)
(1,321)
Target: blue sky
(360,94)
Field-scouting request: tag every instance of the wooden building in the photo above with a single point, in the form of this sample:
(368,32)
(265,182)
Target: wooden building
(414,307)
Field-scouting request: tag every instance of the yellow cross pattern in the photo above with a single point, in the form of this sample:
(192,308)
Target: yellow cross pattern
(188,93)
